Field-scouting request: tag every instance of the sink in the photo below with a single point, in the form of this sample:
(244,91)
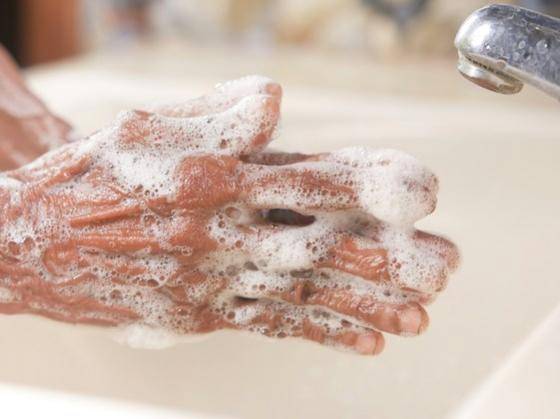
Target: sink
(497,160)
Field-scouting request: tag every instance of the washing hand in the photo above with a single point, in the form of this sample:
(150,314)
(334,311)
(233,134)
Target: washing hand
(178,219)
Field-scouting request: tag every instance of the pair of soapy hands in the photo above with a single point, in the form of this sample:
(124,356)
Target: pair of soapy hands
(178,219)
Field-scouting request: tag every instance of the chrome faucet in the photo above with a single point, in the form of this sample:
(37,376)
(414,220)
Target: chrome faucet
(501,47)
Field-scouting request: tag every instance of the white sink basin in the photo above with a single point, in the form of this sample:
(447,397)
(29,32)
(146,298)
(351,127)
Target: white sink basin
(497,160)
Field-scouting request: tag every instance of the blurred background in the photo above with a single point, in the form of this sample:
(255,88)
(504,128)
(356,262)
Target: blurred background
(38,31)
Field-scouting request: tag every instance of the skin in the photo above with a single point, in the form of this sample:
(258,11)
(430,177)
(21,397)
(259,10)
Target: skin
(80,242)
(27,128)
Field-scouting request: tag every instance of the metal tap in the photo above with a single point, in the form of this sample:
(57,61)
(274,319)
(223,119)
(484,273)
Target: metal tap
(501,47)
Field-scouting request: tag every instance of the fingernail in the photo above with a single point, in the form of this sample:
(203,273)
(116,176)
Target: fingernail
(369,344)
(413,321)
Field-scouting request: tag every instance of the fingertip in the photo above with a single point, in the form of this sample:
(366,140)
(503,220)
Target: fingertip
(274,89)
(363,342)
(370,344)
(452,256)
(413,320)
(444,247)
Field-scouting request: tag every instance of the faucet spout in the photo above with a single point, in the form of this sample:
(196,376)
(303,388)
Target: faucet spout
(501,47)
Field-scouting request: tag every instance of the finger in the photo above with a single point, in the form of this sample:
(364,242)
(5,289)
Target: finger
(224,96)
(304,187)
(446,249)
(396,257)
(362,305)
(393,186)
(436,245)
(400,319)
(276,319)
(393,257)
(367,342)
(244,128)
(345,336)
(318,246)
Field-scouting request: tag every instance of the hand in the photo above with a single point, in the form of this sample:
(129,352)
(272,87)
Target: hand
(177,220)
(27,128)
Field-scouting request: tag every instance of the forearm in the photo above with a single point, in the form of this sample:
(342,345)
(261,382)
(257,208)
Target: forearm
(27,128)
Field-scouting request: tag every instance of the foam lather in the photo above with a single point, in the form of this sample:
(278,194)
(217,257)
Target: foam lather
(176,221)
